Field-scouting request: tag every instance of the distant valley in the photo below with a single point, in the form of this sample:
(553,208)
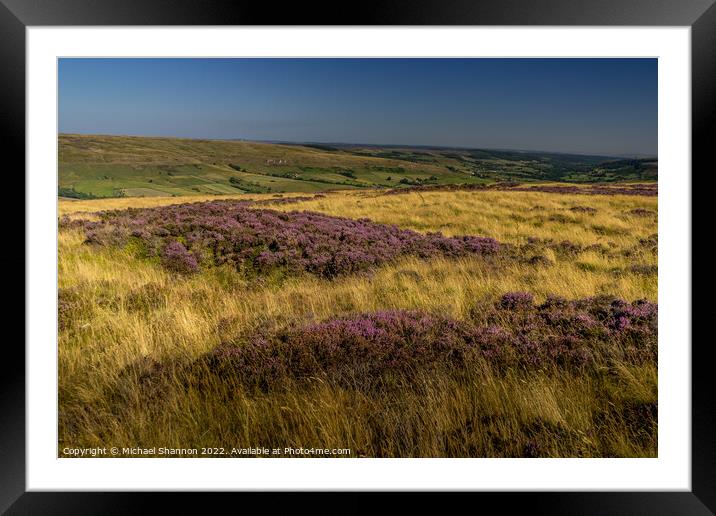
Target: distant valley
(128,166)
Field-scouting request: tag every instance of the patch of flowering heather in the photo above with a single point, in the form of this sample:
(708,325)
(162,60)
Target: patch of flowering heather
(176,258)
(259,240)
(583,209)
(598,248)
(566,247)
(641,212)
(360,349)
(645,189)
(536,245)
(539,260)
(642,189)
(454,187)
(651,242)
(68,307)
(355,349)
(643,269)
(579,332)
(513,300)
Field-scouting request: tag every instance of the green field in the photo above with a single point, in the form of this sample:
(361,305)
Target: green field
(117,166)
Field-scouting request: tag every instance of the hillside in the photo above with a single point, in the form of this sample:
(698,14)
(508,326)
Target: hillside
(115,166)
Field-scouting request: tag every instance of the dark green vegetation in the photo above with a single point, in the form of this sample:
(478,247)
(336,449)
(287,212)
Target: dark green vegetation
(497,165)
(114,166)
(71,193)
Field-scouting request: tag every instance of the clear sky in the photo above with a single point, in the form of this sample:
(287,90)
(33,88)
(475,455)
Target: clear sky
(600,106)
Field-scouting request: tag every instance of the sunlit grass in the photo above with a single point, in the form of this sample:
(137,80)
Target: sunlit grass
(126,308)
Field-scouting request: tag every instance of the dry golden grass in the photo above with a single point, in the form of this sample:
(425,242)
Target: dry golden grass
(507,216)
(75,208)
(127,310)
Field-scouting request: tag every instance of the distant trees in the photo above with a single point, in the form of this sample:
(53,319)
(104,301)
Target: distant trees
(74,194)
(417,181)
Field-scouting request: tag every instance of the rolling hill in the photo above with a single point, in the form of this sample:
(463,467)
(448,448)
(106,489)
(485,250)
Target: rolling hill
(92,166)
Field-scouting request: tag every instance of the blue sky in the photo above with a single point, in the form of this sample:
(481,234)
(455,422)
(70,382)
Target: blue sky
(600,106)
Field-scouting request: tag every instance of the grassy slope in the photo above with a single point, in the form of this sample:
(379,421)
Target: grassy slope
(114,165)
(184,317)
(111,166)
(522,166)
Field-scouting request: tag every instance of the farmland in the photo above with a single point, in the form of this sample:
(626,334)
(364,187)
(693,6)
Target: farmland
(94,166)
(436,321)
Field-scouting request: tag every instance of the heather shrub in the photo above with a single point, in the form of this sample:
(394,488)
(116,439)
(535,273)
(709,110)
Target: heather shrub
(566,247)
(642,189)
(641,212)
(643,269)
(151,376)
(540,260)
(357,350)
(598,248)
(263,240)
(651,243)
(578,333)
(362,350)
(583,209)
(68,307)
(536,245)
(176,258)
(75,304)
(513,300)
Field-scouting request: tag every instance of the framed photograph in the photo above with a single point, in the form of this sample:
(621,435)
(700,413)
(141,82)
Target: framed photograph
(424,248)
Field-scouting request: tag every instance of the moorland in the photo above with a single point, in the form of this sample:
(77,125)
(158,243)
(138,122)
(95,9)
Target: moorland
(395,302)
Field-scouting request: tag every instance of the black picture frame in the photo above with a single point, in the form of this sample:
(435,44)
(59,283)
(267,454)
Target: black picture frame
(17,15)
